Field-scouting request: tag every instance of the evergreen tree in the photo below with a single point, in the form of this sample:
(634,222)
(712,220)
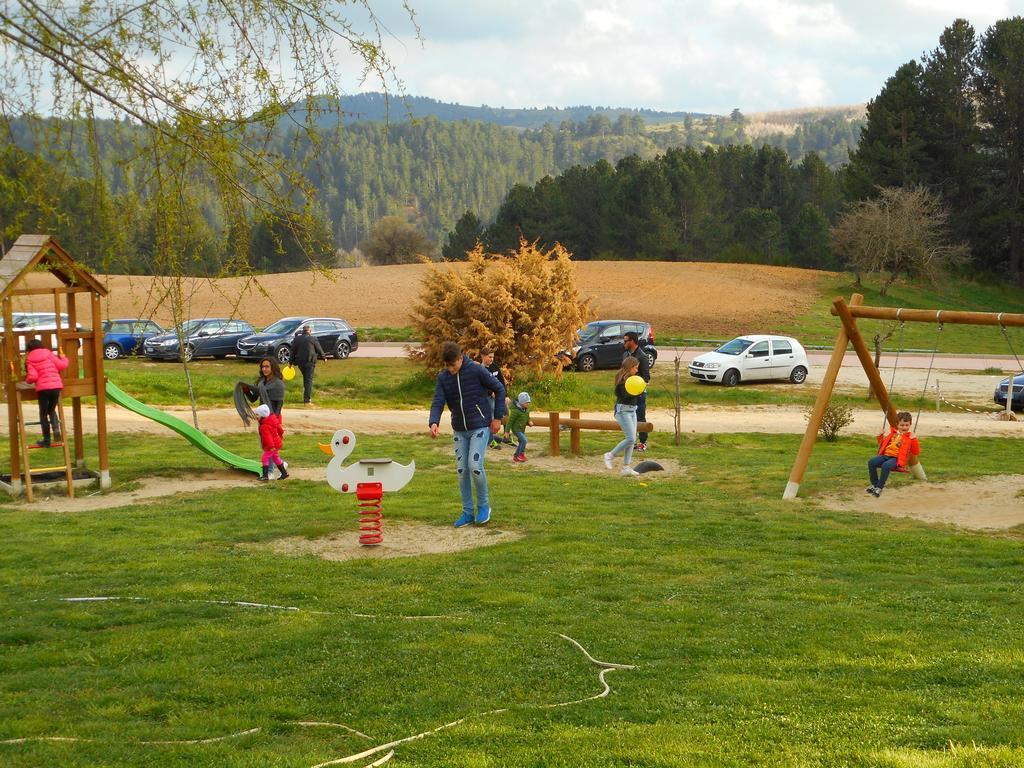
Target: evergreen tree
(809,239)
(463,239)
(951,161)
(891,142)
(1000,88)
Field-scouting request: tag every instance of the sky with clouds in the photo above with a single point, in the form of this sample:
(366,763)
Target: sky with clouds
(690,55)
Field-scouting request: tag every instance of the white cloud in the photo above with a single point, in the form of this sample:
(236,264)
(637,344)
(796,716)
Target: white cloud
(787,19)
(706,55)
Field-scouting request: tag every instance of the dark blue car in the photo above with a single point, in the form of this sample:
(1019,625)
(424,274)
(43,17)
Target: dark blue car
(207,337)
(125,336)
(1017,399)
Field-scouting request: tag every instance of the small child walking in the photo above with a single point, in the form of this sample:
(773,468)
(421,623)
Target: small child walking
(518,421)
(894,451)
(271,440)
(625,415)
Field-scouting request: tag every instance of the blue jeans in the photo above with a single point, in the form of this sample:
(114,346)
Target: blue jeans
(885,463)
(641,413)
(470,447)
(521,437)
(626,416)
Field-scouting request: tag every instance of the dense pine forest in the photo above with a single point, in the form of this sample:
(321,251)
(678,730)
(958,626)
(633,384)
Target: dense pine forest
(427,170)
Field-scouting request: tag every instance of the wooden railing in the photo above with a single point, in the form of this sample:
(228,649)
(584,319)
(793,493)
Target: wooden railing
(554,421)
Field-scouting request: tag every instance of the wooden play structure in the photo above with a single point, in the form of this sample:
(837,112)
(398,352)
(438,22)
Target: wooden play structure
(554,421)
(849,334)
(23,280)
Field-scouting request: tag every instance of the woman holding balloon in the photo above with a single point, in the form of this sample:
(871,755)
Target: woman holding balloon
(628,388)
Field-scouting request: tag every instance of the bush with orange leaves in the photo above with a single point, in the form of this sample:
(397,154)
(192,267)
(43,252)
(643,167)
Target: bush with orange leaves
(524,305)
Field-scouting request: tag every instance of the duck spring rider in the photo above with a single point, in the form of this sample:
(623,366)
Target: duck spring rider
(368,479)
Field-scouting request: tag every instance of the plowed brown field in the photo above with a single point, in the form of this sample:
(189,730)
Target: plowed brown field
(685,297)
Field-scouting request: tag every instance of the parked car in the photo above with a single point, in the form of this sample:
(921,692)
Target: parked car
(1017,398)
(600,344)
(336,336)
(38,323)
(127,335)
(752,358)
(214,337)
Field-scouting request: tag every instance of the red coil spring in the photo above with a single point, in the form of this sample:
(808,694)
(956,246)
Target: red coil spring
(370,516)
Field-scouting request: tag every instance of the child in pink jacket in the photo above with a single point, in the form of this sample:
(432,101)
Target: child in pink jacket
(44,367)
(271,440)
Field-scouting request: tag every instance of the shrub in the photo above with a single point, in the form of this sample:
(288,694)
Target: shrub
(523,305)
(836,417)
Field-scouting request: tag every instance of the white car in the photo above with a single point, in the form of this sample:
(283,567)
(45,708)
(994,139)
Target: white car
(38,323)
(752,358)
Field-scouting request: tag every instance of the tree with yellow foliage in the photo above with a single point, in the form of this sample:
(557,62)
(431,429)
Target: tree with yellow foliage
(524,305)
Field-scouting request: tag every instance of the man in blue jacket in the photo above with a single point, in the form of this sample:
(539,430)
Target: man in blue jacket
(466,387)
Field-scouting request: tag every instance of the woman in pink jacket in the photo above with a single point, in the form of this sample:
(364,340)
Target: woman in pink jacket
(44,367)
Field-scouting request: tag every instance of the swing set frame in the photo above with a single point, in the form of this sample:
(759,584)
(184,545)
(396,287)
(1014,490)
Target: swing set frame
(849,334)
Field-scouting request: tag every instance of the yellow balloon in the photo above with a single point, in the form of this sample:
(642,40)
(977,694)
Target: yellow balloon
(635,385)
(288,372)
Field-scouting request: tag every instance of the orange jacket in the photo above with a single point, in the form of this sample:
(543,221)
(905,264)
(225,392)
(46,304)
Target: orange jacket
(908,445)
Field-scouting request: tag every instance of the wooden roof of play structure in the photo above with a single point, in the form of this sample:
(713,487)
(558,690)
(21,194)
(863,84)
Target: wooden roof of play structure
(30,252)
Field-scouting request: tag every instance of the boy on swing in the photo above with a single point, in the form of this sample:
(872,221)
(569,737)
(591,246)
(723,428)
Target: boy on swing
(894,452)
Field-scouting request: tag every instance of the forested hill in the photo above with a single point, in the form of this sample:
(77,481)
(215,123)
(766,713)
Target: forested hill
(428,171)
(379,107)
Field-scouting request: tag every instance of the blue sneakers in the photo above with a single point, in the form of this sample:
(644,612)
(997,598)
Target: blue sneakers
(483,516)
(465,519)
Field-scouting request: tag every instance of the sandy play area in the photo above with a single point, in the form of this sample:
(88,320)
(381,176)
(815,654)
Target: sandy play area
(994,503)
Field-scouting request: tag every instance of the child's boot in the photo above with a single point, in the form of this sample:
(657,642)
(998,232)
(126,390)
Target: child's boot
(283,470)
(266,474)
(55,428)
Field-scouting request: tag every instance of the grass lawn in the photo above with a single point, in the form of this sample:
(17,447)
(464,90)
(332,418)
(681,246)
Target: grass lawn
(764,633)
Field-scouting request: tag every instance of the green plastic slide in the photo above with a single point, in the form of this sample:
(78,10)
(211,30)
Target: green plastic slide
(190,433)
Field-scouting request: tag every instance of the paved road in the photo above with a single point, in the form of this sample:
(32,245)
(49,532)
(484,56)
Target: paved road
(817,359)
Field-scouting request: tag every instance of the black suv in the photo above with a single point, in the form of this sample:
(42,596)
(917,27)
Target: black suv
(337,338)
(600,344)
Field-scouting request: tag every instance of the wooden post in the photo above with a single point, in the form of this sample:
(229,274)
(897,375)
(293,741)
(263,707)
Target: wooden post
(864,355)
(12,375)
(840,308)
(553,425)
(574,434)
(828,383)
(101,390)
(84,368)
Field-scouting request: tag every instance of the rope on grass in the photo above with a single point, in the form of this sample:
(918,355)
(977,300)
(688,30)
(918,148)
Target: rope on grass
(606,667)
(267,606)
(210,740)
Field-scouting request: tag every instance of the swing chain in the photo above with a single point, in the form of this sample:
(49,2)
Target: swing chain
(1009,343)
(931,362)
(896,360)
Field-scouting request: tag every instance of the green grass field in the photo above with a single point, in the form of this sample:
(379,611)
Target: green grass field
(762,632)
